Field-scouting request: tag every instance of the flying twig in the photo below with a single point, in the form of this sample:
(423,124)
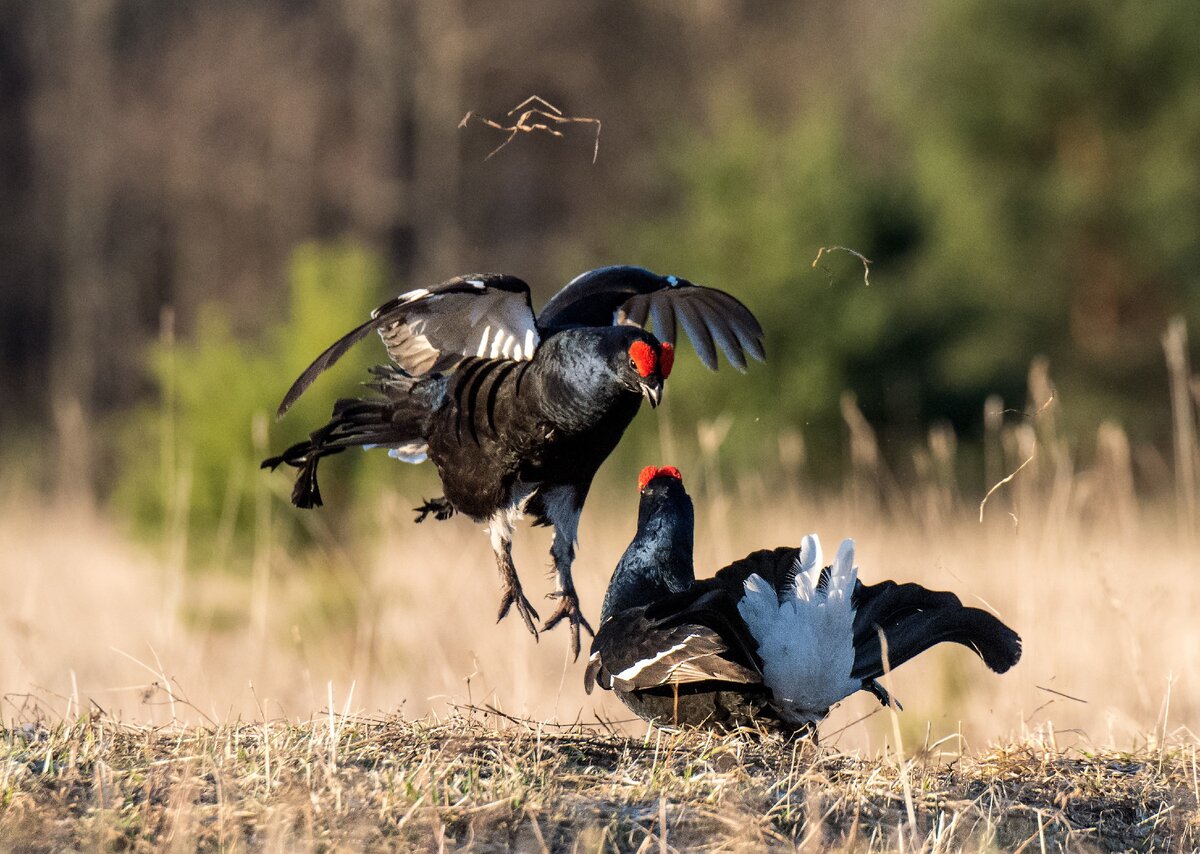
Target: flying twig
(1040,409)
(1060,693)
(1001,483)
(535,114)
(866,262)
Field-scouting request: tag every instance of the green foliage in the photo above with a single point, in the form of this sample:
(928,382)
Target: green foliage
(1029,187)
(193,458)
(756,206)
(1054,146)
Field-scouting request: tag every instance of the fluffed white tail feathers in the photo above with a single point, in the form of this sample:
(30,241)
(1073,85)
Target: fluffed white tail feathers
(805,632)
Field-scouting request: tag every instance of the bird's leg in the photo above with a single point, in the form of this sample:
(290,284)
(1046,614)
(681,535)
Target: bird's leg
(501,532)
(563,511)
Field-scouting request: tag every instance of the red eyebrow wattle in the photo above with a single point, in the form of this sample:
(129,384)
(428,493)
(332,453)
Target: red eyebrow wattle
(666,360)
(644,358)
(650,472)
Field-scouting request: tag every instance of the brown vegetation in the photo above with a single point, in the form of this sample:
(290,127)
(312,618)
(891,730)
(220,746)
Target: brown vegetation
(147,704)
(476,781)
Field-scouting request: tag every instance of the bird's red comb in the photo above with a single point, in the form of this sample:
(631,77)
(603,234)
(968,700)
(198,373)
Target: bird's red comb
(644,358)
(666,360)
(650,472)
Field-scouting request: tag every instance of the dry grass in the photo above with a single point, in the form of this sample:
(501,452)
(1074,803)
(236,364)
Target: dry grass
(1106,611)
(345,783)
(127,680)
(141,710)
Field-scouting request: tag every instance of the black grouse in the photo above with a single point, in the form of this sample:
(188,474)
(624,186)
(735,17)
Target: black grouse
(774,640)
(519,412)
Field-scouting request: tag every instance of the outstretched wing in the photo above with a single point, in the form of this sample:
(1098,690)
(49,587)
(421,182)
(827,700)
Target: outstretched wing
(635,651)
(636,296)
(914,619)
(430,329)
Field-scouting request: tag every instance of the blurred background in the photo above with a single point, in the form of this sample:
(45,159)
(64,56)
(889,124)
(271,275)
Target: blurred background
(197,197)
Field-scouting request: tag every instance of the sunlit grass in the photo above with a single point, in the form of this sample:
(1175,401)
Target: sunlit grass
(306,702)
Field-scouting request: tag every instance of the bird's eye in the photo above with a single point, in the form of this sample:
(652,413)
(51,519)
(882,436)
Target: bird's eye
(633,363)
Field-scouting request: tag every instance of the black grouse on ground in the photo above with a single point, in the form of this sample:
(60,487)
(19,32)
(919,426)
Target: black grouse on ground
(774,639)
(518,412)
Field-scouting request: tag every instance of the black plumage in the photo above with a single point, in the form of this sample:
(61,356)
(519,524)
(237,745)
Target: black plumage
(516,412)
(773,639)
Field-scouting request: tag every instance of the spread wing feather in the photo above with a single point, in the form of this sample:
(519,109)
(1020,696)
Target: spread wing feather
(697,332)
(635,312)
(664,321)
(431,329)
(633,295)
(674,656)
(660,644)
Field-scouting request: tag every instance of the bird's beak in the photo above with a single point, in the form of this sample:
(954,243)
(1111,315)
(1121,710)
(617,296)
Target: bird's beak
(652,391)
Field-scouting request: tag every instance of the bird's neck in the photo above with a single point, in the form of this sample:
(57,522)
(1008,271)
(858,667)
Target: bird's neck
(577,392)
(657,563)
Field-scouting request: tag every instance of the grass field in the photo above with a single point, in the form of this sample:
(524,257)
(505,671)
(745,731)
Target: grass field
(472,781)
(319,699)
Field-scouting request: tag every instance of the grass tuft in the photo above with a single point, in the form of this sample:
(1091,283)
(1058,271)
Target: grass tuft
(498,783)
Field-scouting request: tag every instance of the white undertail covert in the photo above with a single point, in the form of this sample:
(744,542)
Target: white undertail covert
(805,634)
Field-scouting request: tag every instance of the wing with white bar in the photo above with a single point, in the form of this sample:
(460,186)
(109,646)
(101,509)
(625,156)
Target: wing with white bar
(486,315)
(431,329)
(631,653)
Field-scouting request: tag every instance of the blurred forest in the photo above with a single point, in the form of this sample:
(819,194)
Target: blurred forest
(199,196)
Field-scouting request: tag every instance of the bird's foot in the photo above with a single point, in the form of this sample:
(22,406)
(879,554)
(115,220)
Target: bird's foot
(439,507)
(806,731)
(881,694)
(568,609)
(513,595)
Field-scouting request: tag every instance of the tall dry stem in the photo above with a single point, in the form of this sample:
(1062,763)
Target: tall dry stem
(865,460)
(1187,459)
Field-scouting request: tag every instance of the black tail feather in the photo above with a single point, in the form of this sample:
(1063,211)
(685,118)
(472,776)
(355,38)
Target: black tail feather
(304,456)
(306,493)
(353,423)
(914,619)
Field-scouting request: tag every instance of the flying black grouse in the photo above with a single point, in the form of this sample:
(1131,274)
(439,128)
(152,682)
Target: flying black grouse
(775,638)
(518,412)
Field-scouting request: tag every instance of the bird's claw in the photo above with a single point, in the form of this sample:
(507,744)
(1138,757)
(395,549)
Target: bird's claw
(568,609)
(513,595)
(440,508)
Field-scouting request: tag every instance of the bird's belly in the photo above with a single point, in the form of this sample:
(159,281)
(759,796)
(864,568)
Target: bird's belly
(477,485)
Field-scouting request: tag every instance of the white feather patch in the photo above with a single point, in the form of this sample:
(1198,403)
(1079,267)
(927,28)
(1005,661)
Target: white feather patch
(410,454)
(483,323)
(413,452)
(806,641)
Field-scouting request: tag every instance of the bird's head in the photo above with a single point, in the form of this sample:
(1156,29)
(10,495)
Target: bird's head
(655,479)
(661,488)
(644,364)
(658,561)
